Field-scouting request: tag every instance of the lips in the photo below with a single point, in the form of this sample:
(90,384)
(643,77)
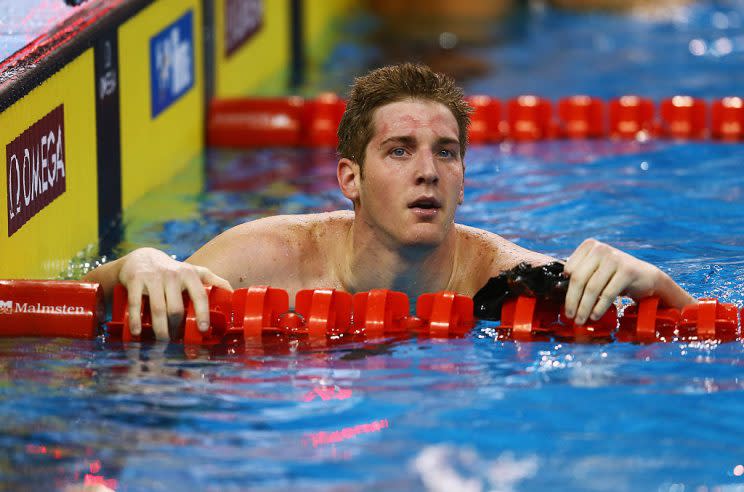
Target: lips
(426,202)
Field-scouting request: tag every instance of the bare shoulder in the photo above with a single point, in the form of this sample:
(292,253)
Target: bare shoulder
(267,249)
(483,254)
(291,226)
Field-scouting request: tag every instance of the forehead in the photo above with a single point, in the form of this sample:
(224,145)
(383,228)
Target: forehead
(410,115)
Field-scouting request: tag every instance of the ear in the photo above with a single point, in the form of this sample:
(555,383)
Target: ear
(348,174)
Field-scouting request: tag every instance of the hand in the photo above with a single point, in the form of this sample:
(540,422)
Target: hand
(151,272)
(599,273)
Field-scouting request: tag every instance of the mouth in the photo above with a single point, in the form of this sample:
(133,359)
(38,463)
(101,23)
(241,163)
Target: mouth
(425,203)
(425,208)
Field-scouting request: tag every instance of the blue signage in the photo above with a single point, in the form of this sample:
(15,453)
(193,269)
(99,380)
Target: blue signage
(172,63)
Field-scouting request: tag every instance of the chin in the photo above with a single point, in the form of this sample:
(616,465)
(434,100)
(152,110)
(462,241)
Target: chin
(425,235)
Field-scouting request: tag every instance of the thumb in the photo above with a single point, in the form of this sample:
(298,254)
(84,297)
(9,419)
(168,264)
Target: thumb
(209,277)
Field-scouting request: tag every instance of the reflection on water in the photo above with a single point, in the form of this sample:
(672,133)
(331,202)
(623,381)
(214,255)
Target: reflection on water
(472,412)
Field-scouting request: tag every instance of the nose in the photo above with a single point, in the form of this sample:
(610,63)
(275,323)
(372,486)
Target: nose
(426,170)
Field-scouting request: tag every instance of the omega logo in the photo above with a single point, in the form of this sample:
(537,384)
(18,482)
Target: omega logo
(35,169)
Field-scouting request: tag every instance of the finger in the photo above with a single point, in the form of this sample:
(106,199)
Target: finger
(199,298)
(209,277)
(577,283)
(578,255)
(134,301)
(593,289)
(174,309)
(157,309)
(613,289)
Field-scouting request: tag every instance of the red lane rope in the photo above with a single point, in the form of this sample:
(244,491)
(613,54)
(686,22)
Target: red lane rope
(51,308)
(294,121)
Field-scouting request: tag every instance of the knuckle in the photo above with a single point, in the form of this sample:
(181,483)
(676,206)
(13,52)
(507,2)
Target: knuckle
(191,273)
(198,292)
(157,311)
(601,248)
(606,298)
(591,291)
(578,279)
(170,274)
(198,295)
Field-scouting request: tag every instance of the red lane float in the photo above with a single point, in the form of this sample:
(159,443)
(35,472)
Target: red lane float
(257,308)
(382,312)
(50,308)
(631,117)
(271,122)
(684,117)
(325,311)
(527,318)
(727,119)
(445,314)
(529,119)
(645,322)
(323,115)
(581,117)
(709,320)
(485,120)
(255,122)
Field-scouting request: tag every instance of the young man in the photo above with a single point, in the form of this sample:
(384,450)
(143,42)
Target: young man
(401,146)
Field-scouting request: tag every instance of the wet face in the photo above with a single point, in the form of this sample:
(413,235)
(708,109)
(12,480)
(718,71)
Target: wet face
(413,174)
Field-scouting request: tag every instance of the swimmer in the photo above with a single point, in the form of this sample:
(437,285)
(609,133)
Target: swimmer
(402,143)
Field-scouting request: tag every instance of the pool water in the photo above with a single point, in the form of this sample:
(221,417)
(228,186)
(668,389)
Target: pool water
(471,414)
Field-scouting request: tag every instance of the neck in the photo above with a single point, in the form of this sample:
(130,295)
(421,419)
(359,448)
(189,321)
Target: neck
(369,261)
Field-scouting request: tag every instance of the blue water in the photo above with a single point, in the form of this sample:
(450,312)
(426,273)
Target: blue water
(470,414)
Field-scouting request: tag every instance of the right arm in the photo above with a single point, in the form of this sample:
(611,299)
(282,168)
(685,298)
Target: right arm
(259,252)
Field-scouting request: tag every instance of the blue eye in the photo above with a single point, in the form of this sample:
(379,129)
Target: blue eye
(447,154)
(398,152)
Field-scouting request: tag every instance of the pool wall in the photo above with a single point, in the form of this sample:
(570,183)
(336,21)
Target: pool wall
(111,103)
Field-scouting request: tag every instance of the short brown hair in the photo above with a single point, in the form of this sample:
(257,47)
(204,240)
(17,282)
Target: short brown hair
(392,84)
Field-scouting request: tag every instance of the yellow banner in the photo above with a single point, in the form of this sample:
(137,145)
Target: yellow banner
(49,186)
(251,46)
(162,94)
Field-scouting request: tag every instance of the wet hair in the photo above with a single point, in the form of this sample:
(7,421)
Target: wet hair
(391,84)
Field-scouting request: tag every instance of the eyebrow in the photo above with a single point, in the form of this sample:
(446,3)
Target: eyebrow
(405,140)
(409,141)
(448,141)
